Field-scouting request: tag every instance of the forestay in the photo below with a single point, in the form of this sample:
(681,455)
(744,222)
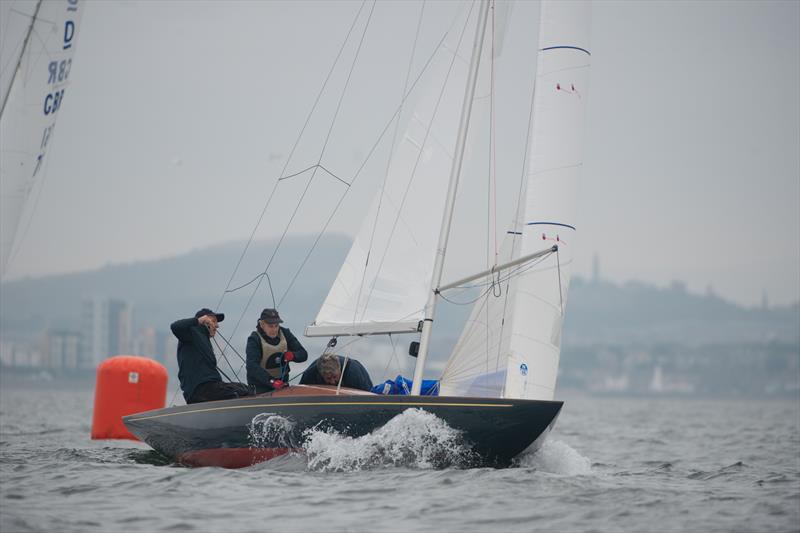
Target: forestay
(510,345)
(36,52)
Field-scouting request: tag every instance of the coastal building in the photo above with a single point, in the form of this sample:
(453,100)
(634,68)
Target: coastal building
(107,327)
(62,350)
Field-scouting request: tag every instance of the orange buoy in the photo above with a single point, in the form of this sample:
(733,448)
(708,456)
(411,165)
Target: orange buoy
(126,384)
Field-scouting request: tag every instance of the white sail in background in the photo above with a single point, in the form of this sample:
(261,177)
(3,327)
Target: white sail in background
(35,63)
(384,282)
(510,346)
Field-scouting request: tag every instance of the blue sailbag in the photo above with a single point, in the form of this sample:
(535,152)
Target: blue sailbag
(401,385)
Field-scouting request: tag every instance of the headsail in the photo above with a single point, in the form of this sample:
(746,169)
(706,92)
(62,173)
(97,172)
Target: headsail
(384,282)
(35,61)
(510,346)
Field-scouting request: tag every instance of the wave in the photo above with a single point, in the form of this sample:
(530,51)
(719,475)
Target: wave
(556,457)
(412,439)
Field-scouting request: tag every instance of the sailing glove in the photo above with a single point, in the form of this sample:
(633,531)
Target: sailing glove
(278,384)
(288,356)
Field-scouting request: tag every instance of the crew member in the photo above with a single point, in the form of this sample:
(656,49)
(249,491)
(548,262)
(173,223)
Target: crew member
(197,365)
(270,348)
(327,370)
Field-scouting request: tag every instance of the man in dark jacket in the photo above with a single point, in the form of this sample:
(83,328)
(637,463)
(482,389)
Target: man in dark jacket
(327,370)
(270,348)
(197,364)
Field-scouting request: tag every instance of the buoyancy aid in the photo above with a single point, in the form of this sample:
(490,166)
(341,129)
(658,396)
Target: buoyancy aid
(268,350)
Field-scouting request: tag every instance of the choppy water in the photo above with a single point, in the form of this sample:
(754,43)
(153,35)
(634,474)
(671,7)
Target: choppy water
(610,465)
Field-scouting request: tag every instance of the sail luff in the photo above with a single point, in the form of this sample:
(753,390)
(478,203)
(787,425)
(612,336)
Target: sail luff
(447,217)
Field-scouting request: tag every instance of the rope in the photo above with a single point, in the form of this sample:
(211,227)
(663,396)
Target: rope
(391,358)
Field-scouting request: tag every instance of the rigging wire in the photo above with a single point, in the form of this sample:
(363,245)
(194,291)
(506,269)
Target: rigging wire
(294,148)
(231,345)
(313,175)
(327,137)
(392,358)
(314,167)
(356,175)
(226,360)
(363,165)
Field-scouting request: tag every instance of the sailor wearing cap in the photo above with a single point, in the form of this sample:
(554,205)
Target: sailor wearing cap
(270,348)
(197,365)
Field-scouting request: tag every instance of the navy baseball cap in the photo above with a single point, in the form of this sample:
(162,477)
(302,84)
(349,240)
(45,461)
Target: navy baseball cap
(206,311)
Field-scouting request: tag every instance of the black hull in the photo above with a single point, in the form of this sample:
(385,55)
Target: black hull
(218,433)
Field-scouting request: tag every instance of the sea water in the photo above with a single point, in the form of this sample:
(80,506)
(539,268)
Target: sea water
(611,464)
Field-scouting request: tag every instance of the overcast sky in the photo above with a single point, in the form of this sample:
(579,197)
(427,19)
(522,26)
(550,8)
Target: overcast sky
(180,115)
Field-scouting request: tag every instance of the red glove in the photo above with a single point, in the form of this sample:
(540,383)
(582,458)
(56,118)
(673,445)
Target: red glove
(288,356)
(278,384)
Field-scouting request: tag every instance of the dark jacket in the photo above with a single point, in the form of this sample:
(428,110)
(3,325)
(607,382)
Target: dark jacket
(355,375)
(258,377)
(197,363)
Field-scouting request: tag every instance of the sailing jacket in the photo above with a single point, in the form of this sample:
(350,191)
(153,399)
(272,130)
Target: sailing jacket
(355,375)
(197,363)
(262,370)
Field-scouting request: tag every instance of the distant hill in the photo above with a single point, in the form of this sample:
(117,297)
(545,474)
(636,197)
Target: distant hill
(635,312)
(166,289)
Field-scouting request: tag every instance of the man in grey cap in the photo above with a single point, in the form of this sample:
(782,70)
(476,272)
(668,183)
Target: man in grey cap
(270,349)
(197,365)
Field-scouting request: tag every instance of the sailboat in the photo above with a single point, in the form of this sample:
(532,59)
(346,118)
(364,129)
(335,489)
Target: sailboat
(497,388)
(36,51)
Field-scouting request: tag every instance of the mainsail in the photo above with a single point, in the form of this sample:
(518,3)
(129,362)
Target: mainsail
(38,44)
(510,346)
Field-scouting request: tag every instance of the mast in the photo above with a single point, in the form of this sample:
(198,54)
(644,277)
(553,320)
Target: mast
(447,217)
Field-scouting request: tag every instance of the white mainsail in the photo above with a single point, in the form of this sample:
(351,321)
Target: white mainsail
(384,283)
(36,53)
(510,346)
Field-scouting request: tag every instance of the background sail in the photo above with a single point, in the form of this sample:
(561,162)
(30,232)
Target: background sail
(510,346)
(384,282)
(31,96)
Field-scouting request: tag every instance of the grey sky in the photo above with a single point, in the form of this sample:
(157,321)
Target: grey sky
(180,115)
